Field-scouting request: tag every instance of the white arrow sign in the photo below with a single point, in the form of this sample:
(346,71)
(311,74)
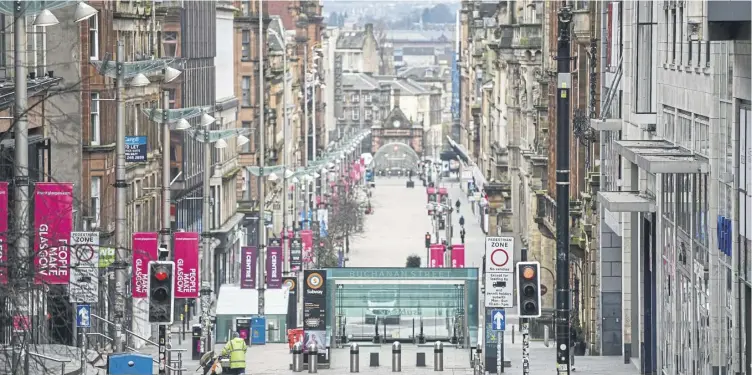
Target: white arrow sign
(498,319)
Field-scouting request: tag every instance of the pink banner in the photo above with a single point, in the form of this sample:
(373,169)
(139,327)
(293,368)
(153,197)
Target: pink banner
(436,256)
(186,264)
(144,251)
(458,256)
(3,232)
(306,236)
(53,223)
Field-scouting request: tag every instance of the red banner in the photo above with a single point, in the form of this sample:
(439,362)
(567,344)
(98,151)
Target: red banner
(144,251)
(53,223)
(3,232)
(186,264)
(458,256)
(436,256)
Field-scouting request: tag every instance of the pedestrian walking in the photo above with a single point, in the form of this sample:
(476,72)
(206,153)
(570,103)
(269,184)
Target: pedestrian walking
(236,349)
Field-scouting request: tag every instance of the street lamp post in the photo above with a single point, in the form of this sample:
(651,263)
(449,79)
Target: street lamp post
(209,137)
(121,186)
(166,144)
(206,290)
(262,150)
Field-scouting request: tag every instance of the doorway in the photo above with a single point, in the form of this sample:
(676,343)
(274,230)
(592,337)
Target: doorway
(648,347)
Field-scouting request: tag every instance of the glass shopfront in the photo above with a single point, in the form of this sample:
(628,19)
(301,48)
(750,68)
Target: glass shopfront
(399,300)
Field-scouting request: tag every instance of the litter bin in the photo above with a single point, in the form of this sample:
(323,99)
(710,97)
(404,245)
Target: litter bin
(258,331)
(196,342)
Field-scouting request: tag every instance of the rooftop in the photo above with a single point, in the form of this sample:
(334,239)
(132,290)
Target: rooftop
(359,81)
(406,86)
(418,36)
(429,72)
(351,39)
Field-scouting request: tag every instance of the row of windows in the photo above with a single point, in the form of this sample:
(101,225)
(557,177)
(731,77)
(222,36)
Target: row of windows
(688,130)
(681,48)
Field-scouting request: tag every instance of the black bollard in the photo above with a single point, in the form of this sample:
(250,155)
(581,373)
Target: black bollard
(421,337)
(376,338)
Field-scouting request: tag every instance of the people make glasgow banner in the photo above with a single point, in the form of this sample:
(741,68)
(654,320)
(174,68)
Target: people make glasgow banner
(186,264)
(144,251)
(53,224)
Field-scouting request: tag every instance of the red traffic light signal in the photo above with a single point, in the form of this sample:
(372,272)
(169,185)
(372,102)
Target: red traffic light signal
(161,275)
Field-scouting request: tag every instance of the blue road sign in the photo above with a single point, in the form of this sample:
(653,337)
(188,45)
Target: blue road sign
(498,320)
(83,315)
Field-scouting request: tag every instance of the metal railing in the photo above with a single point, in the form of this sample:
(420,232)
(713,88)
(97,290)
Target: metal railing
(126,330)
(53,359)
(177,365)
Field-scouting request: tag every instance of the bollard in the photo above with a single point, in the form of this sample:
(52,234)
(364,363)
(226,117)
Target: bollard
(313,358)
(438,356)
(354,357)
(545,336)
(396,357)
(297,357)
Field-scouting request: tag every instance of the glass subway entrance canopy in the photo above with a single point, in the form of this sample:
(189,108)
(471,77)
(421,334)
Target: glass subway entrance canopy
(398,300)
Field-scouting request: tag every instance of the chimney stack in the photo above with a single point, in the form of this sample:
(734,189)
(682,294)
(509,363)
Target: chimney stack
(396,97)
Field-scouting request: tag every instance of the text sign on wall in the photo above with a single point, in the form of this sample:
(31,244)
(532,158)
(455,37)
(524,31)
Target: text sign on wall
(135,148)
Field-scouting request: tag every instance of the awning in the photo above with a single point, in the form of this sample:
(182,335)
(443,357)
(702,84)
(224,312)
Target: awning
(606,124)
(480,180)
(626,201)
(459,149)
(658,156)
(231,223)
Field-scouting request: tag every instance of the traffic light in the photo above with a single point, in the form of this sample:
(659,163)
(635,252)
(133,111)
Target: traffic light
(529,289)
(428,240)
(161,297)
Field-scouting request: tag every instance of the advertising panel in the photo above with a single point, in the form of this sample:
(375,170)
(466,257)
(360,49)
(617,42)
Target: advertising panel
(248,264)
(274,264)
(3,232)
(144,251)
(53,224)
(436,252)
(314,307)
(186,264)
(458,256)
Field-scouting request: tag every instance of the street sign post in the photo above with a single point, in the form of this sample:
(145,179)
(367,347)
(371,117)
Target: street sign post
(83,315)
(498,324)
(499,320)
(84,281)
(499,288)
(500,254)
(499,272)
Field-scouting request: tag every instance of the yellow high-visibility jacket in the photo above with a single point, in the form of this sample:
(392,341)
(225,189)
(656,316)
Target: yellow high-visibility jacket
(236,349)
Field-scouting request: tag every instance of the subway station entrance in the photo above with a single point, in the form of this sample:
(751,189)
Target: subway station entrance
(410,305)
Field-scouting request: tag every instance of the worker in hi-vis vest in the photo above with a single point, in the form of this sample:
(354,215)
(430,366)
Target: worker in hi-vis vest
(236,350)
